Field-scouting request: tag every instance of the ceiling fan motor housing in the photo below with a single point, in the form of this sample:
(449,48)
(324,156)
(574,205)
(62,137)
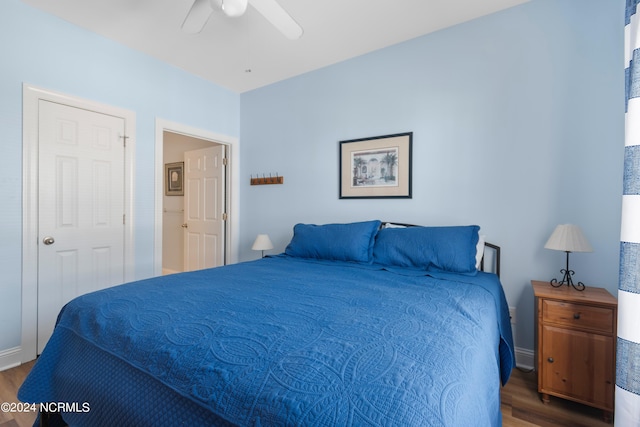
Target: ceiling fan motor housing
(201,10)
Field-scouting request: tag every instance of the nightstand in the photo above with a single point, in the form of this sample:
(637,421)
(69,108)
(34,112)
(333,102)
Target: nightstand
(576,335)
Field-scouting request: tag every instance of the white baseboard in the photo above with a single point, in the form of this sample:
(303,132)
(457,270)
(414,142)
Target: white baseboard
(525,358)
(10,358)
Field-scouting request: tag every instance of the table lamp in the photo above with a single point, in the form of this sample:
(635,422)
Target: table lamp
(568,238)
(262,243)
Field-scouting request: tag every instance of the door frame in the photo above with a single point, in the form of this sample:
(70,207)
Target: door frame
(31,96)
(232,185)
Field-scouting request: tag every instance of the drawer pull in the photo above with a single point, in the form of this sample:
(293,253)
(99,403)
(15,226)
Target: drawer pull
(576,316)
(550,360)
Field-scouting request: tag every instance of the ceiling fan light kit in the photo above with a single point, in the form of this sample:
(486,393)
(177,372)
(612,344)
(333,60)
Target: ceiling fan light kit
(234,8)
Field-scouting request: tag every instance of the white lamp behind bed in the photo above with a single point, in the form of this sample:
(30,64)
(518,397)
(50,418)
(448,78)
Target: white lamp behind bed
(262,243)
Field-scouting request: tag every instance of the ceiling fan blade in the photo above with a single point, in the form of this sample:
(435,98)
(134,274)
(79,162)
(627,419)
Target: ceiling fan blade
(278,17)
(198,16)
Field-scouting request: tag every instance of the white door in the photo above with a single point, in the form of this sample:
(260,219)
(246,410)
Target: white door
(204,208)
(80,207)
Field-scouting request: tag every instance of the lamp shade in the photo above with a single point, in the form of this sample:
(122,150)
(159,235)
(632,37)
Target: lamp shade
(262,243)
(568,238)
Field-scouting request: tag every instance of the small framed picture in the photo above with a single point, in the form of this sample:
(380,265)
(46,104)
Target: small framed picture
(174,174)
(378,167)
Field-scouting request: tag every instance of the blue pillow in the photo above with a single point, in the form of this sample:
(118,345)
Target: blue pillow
(450,249)
(341,242)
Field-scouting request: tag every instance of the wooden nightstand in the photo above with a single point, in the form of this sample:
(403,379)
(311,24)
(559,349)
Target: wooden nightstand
(576,344)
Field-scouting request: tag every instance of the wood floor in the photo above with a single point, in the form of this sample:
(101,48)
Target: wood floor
(521,405)
(10,381)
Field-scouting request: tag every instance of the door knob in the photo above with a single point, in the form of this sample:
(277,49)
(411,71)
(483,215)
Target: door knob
(184,225)
(48,240)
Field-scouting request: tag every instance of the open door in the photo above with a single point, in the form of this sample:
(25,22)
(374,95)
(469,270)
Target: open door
(204,208)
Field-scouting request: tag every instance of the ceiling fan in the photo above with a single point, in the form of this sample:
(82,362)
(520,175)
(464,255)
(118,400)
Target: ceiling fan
(201,10)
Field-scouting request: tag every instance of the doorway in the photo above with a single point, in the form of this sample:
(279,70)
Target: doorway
(193,231)
(172,141)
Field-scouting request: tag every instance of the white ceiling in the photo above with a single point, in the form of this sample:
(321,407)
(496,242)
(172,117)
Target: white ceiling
(334,30)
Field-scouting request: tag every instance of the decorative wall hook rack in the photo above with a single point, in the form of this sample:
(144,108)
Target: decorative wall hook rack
(264,180)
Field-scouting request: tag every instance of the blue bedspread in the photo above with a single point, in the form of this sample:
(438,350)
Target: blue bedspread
(282,341)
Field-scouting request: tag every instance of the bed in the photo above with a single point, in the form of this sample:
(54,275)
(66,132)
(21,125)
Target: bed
(354,324)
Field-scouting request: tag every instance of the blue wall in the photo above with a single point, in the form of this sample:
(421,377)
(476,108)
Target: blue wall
(46,52)
(518,122)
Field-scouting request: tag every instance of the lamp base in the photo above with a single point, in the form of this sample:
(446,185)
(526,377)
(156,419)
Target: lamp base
(566,279)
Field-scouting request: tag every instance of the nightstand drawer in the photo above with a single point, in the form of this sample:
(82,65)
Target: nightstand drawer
(578,315)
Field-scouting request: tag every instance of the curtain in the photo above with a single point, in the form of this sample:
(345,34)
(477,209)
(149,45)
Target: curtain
(627,410)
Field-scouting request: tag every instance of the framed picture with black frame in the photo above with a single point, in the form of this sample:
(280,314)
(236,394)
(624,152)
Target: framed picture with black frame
(377,167)
(174,177)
